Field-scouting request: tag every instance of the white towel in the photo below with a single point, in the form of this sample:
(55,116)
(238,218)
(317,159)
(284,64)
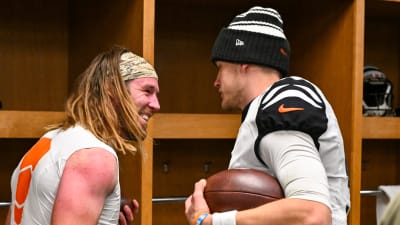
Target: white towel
(383,198)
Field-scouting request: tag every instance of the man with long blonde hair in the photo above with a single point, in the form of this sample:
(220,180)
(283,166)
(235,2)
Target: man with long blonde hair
(71,175)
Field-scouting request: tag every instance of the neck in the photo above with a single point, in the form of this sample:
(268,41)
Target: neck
(258,79)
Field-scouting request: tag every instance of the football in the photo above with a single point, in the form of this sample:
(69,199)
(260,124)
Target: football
(240,189)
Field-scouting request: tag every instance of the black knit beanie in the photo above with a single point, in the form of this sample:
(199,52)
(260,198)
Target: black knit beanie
(254,37)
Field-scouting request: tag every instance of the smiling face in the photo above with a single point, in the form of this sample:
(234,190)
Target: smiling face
(144,93)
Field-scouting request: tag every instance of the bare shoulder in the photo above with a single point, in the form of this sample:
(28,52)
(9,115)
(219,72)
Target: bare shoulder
(89,176)
(93,165)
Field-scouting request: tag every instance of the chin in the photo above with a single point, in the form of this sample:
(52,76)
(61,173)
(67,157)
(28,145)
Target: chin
(144,126)
(225,106)
(230,108)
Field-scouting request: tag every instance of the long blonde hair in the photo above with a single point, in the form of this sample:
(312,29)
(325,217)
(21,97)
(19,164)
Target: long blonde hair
(101,103)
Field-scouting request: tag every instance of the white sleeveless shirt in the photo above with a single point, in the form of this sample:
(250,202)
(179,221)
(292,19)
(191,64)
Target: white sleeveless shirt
(35,181)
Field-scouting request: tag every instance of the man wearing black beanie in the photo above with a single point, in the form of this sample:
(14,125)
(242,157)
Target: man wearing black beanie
(288,129)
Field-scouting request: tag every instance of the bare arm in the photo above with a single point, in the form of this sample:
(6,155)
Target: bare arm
(287,211)
(281,212)
(89,177)
(302,177)
(298,166)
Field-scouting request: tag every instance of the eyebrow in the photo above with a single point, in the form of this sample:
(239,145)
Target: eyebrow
(150,86)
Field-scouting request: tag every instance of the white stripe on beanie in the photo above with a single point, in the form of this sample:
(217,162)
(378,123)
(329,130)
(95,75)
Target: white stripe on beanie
(242,22)
(260,28)
(261,10)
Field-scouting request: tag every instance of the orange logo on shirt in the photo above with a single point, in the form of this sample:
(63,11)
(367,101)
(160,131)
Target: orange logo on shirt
(26,168)
(283,109)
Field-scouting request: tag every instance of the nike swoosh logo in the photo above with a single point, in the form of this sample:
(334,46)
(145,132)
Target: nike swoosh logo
(283,109)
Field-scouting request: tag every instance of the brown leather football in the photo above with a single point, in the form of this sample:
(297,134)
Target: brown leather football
(240,189)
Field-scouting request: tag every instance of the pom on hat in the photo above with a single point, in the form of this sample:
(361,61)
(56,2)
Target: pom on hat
(133,66)
(254,37)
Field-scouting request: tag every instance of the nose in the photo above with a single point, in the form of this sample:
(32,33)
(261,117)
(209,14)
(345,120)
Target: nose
(217,84)
(154,103)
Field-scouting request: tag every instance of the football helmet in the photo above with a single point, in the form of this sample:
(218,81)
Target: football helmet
(377,92)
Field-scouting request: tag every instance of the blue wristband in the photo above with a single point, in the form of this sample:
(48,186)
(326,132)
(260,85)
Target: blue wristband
(201,218)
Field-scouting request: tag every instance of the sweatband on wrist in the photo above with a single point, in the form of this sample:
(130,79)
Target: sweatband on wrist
(199,217)
(225,218)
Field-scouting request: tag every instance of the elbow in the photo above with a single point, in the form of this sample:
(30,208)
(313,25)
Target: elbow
(320,215)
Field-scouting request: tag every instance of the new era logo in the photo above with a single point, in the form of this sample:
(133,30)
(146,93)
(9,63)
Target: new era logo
(239,42)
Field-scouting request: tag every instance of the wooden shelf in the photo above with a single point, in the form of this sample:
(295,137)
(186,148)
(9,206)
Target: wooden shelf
(31,124)
(26,124)
(381,128)
(196,126)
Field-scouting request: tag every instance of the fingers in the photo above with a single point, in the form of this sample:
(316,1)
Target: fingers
(196,203)
(199,188)
(135,204)
(127,212)
(122,220)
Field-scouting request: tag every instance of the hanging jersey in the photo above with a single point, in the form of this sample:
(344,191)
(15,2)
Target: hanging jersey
(293,117)
(35,181)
